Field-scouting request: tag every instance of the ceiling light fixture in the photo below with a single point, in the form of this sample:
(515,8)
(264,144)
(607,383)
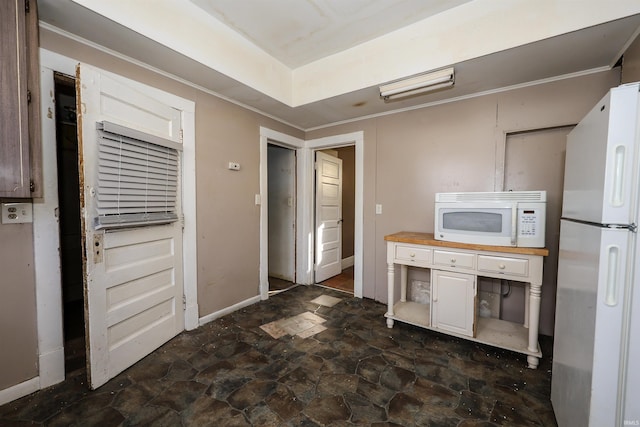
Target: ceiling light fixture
(419,84)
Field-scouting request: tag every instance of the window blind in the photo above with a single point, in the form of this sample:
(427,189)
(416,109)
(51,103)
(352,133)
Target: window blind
(137,178)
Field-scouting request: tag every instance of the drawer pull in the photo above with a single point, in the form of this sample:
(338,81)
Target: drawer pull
(453,260)
(502,266)
(412,255)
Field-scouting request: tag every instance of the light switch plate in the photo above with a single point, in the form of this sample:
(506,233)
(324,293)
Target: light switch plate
(378,209)
(17,213)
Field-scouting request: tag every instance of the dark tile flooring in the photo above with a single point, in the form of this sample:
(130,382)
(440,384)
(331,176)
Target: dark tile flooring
(357,372)
(277,285)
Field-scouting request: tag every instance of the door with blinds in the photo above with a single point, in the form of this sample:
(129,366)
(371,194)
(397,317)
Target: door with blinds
(130,178)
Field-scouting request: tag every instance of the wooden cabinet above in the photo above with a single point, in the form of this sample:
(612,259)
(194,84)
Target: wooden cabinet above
(20,146)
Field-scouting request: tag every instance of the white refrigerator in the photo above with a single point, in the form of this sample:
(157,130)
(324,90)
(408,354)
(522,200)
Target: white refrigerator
(596,354)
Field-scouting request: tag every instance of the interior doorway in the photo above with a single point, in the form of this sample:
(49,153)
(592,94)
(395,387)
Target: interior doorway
(534,160)
(281,189)
(69,223)
(305,156)
(343,279)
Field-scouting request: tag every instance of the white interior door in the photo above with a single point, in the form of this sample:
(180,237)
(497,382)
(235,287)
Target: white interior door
(282,212)
(328,254)
(133,277)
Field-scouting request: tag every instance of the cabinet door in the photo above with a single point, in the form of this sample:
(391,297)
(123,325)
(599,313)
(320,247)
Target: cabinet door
(14,131)
(453,302)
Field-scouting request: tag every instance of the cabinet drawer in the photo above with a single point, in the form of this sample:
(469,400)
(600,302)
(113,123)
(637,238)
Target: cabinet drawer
(495,264)
(411,253)
(453,259)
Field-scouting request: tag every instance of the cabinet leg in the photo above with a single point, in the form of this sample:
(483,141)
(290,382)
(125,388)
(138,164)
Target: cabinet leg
(535,292)
(403,282)
(390,284)
(526,304)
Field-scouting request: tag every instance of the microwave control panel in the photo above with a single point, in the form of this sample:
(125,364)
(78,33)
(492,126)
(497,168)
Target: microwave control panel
(528,222)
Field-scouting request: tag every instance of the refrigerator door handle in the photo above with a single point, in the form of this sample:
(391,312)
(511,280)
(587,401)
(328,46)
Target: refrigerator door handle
(617,195)
(514,224)
(613,260)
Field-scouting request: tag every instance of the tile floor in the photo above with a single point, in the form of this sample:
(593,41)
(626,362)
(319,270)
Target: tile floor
(231,372)
(276,285)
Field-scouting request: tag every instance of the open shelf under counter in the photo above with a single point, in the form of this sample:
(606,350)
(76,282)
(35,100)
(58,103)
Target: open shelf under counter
(455,268)
(414,313)
(504,334)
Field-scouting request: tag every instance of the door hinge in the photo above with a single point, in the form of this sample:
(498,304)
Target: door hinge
(184,302)
(27,6)
(28,97)
(32,186)
(181,136)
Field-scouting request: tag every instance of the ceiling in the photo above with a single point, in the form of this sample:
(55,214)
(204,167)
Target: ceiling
(298,32)
(312,63)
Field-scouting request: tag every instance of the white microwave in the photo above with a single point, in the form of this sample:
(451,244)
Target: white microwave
(507,218)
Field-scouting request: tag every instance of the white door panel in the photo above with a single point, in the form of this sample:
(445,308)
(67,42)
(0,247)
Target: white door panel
(599,179)
(608,346)
(591,280)
(138,110)
(328,216)
(133,276)
(453,301)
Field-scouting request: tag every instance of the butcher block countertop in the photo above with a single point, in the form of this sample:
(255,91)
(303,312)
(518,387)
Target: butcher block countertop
(428,239)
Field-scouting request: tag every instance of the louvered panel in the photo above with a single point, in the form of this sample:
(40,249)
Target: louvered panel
(137,180)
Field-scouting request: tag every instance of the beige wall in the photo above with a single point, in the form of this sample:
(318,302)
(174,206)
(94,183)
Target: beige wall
(457,146)
(407,158)
(631,63)
(18,336)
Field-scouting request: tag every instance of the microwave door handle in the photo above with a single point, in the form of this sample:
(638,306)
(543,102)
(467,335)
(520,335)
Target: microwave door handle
(514,224)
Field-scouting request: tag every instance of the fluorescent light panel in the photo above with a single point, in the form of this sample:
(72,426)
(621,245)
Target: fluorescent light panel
(419,84)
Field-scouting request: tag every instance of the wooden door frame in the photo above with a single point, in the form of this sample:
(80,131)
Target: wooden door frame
(321,180)
(305,195)
(291,186)
(268,136)
(46,241)
(336,141)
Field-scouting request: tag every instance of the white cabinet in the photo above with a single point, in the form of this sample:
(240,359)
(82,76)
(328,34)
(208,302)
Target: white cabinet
(453,302)
(455,268)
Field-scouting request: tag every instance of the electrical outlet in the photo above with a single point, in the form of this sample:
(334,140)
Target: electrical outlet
(378,209)
(17,213)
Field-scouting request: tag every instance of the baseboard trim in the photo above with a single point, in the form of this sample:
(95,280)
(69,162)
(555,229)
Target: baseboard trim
(191,320)
(215,315)
(19,390)
(51,368)
(347,262)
